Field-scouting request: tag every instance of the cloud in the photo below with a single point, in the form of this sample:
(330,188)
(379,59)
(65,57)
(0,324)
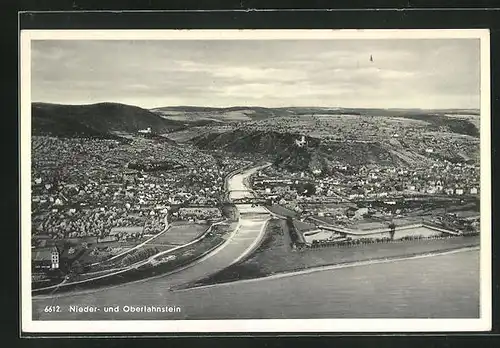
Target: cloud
(404,73)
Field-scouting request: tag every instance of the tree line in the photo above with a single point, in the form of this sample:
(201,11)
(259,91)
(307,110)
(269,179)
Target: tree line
(139,256)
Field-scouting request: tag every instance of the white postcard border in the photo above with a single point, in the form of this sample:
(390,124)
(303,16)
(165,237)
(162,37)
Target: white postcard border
(254,325)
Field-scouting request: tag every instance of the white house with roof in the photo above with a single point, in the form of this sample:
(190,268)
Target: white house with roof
(301,142)
(145,131)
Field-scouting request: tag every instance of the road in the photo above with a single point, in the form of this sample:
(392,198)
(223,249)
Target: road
(242,241)
(167,226)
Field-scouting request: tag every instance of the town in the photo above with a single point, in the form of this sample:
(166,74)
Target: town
(103,205)
(87,197)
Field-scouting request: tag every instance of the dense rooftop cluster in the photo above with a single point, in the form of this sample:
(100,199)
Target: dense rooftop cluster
(85,187)
(348,194)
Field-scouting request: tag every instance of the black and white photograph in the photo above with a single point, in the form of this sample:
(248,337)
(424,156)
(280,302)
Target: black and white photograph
(255,180)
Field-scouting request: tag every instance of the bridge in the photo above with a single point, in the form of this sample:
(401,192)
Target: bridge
(251,200)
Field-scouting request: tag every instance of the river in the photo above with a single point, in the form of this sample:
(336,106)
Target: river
(440,286)
(236,185)
(443,286)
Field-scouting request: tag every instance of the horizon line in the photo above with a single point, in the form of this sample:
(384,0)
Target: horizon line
(257,106)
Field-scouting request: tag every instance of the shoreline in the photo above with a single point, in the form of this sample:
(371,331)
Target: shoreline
(281,274)
(145,274)
(329,267)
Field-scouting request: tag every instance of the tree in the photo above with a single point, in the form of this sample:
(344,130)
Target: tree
(76,267)
(392,231)
(310,189)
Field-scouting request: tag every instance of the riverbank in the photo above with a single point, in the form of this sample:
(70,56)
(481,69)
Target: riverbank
(439,286)
(163,263)
(275,255)
(369,262)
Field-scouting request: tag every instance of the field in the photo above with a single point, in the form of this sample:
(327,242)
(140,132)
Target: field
(178,234)
(369,224)
(325,219)
(186,135)
(128,229)
(275,254)
(303,226)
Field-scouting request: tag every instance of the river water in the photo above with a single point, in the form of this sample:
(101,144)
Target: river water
(443,286)
(236,185)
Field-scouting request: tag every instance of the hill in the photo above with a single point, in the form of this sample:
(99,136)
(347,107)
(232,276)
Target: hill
(228,114)
(282,149)
(453,120)
(96,120)
(279,146)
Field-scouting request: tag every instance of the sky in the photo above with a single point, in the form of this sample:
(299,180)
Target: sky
(413,73)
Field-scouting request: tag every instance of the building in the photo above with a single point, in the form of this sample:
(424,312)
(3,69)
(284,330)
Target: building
(54,257)
(400,232)
(145,131)
(199,213)
(124,232)
(130,176)
(360,212)
(44,259)
(301,142)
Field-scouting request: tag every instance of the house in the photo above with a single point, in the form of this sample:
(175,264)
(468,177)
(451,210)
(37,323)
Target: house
(473,191)
(351,212)
(124,232)
(44,259)
(301,142)
(130,176)
(431,189)
(145,131)
(459,191)
(199,213)
(360,212)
